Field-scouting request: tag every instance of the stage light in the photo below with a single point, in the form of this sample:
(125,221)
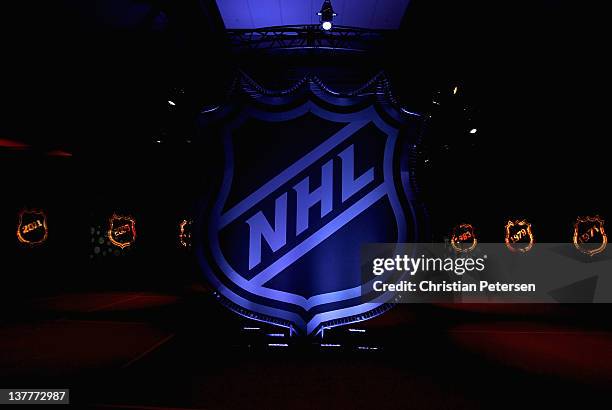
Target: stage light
(171,102)
(326,15)
(473,131)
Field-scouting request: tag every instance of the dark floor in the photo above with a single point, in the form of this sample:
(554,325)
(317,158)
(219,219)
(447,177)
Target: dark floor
(151,350)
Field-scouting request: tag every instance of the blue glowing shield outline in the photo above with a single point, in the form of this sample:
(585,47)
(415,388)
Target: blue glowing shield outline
(255,286)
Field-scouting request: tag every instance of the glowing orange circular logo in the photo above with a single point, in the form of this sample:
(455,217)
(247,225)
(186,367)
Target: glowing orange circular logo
(519,236)
(463,238)
(589,235)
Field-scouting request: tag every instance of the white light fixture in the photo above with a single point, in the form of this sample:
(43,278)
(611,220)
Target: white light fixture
(326,15)
(473,131)
(171,102)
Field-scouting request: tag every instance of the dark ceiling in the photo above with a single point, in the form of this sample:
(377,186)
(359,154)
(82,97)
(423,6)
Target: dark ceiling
(79,73)
(371,14)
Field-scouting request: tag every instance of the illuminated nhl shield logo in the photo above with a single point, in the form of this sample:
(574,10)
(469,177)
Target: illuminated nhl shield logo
(121,230)
(519,236)
(301,192)
(184,235)
(589,235)
(463,239)
(32,227)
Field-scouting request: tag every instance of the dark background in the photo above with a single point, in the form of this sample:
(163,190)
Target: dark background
(94,79)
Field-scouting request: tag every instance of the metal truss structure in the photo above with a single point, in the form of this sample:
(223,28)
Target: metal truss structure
(306,37)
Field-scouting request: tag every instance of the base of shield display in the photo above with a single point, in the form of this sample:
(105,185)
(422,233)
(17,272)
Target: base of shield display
(262,332)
